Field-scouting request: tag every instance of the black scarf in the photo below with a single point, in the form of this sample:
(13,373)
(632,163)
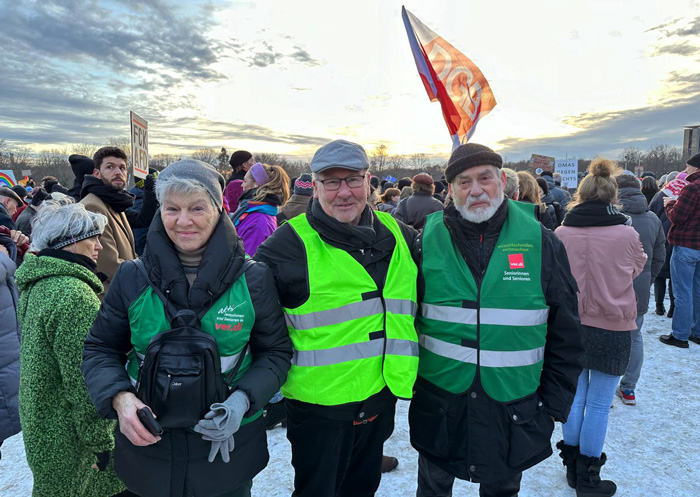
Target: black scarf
(64,255)
(594,213)
(118,200)
(242,205)
(339,234)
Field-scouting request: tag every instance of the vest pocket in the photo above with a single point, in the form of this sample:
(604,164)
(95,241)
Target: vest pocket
(427,418)
(530,430)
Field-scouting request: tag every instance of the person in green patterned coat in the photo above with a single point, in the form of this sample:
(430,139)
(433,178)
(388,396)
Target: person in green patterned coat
(67,444)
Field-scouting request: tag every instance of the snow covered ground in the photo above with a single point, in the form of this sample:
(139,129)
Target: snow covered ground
(653,447)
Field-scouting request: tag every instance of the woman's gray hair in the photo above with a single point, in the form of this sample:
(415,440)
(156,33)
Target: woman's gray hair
(57,226)
(184,186)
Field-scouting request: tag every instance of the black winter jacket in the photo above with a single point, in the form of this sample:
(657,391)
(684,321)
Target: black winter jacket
(178,463)
(657,207)
(284,253)
(473,436)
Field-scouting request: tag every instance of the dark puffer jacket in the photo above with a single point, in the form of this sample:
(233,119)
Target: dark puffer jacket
(657,207)
(9,345)
(178,463)
(651,234)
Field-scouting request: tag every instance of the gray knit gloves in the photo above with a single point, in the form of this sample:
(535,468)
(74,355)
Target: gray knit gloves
(219,424)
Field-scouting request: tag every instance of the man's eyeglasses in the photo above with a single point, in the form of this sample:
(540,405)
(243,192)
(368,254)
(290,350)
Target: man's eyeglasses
(333,184)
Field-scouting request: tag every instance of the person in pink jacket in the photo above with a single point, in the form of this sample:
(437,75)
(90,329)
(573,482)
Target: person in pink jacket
(605,255)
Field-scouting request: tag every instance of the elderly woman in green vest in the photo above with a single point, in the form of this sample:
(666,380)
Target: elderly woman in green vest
(205,346)
(67,444)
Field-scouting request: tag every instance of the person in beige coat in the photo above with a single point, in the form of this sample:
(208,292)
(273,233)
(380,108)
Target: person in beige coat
(104,192)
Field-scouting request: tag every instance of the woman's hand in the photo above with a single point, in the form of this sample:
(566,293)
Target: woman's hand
(126,404)
(18,237)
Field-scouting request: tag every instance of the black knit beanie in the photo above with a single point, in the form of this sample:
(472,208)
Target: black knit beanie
(694,160)
(471,155)
(239,157)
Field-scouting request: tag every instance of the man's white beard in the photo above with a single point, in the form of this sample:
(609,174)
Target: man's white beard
(483,214)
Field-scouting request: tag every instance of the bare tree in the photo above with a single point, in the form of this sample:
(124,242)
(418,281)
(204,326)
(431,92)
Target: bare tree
(662,158)
(630,158)
(379,159)
(268,158)
(121,142)
(87,149)
(53,162)
(206,154)
(394,164)
(418,161)
(159,161)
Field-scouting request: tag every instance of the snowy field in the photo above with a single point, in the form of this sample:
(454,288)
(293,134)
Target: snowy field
(653,447)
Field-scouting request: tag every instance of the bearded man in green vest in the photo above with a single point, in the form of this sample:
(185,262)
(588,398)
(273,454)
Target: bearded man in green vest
(499,335)
(346,277)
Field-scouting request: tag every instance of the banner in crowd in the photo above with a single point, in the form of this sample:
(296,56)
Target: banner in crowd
(449,77)
(542,162)
(568,168)
(7,178)
(139,145)
(673,189)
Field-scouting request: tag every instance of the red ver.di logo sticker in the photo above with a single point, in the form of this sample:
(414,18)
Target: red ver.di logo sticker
(516,261)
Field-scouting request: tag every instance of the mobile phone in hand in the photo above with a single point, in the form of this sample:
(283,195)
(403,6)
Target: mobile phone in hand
(147,420)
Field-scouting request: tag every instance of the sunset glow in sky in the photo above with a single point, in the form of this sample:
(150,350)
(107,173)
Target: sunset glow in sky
(571,78)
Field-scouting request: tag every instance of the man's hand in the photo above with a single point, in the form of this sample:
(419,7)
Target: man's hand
(668,200)
(126,404)
(18,237)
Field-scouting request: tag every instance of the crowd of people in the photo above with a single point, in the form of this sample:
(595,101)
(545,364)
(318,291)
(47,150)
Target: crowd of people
(149,337)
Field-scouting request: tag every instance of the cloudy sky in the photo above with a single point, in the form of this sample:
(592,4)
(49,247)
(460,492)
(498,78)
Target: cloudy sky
(572,78)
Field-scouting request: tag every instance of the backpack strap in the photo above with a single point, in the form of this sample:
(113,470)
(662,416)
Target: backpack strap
(170,310)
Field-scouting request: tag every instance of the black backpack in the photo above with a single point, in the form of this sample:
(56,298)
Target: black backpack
(180,374)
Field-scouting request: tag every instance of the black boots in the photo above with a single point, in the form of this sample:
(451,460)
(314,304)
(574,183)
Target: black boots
(588,482)
(568,455)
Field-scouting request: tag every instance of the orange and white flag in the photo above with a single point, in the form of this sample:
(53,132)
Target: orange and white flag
(450,77)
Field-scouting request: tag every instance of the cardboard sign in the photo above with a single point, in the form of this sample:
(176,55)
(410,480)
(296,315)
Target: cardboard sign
(542,161)
(568,168)
(139,145)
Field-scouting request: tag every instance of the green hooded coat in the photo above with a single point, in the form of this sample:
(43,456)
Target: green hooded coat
(62,430)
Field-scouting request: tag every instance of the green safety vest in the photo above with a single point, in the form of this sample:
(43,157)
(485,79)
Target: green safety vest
(351,339)
(229,320)
(498,328)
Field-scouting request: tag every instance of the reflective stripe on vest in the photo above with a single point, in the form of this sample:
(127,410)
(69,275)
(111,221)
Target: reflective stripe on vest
(487,358)
(504,317)
(464,327)
(350,339)
(354,351)
(349,312)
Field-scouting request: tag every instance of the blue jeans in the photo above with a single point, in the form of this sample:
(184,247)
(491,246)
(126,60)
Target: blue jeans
(594,395)
(634,368)
(685,273)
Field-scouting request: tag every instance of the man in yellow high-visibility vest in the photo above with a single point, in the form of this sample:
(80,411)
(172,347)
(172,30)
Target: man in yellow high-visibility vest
(347,282)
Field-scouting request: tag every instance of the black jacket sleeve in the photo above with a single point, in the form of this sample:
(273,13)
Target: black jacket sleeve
(270,344)
(107,345)
(284,254)
(142,218)
(563,350)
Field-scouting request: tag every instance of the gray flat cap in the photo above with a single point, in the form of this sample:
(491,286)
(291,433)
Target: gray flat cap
(339,153)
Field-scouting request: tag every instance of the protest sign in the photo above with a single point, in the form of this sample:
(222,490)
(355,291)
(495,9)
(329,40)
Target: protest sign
(568,168)
(542,161)
(139,145)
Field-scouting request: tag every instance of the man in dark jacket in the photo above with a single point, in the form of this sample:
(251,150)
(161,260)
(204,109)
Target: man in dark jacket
(499,340)
(651,234)
(82,166)
(347,282)
(558,195)
(414,209)
(684,235)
